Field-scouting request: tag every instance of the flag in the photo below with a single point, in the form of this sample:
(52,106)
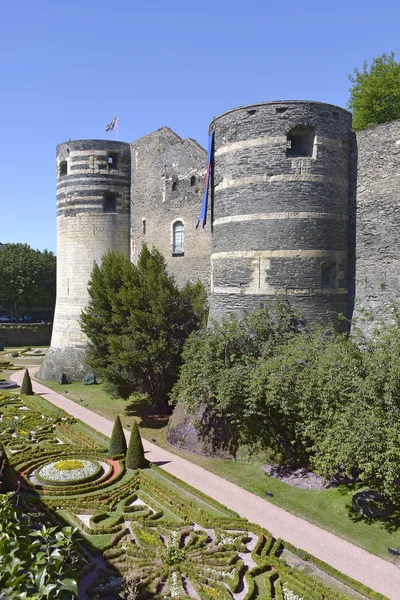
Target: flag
(203,212)
(113,125)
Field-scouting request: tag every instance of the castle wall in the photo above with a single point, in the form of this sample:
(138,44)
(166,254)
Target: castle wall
(281,211)
(377,225)
(164,193)
(93,209)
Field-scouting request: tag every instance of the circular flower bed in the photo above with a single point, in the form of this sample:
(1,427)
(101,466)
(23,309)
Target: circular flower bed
(66,472)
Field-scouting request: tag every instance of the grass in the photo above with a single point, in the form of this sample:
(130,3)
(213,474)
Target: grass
(328,509)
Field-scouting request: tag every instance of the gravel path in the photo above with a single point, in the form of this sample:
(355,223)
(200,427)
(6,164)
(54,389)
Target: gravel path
(382,576)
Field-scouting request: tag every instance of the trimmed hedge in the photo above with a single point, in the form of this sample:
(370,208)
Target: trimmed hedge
(135,455)
(118,441)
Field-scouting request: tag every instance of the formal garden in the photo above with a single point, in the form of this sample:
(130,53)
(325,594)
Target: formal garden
(131,533)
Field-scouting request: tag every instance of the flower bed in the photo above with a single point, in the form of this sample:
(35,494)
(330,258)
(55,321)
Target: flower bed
(58,473)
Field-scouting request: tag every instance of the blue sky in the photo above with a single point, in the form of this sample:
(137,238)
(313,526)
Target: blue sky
(68,67)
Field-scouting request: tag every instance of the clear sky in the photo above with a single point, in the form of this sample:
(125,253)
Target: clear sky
(68,67)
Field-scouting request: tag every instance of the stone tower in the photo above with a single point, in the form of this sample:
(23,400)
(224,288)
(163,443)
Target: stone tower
(93,208)
(280,195)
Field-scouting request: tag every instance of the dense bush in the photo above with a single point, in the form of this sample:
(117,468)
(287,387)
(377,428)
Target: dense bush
(320,398)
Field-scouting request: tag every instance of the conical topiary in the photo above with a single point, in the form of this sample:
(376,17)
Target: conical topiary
(118,441)
(135,456)
(26,386)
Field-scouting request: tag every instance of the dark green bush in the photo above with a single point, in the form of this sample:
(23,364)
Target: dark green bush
(26,386)
(135,456)
(118,442)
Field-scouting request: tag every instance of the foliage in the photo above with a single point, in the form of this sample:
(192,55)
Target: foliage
(28,277)
(6,475)
(375,94)
(26,386)
(135,455)
(137,321)
(34,564)
(317,398)
(118,440)
(219,362)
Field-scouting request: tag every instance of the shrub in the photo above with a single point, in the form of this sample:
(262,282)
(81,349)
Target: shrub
(26,387)
(118,441)
(135,456)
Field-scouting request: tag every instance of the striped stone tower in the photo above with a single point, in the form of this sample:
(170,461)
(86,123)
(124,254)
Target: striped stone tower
(280,207)
(93,208)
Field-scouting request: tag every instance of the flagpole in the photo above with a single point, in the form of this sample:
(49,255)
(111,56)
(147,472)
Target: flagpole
(117,125)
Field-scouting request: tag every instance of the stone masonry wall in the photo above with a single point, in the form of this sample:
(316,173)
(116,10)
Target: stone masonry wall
(377,235)
(280,220)
(168,176)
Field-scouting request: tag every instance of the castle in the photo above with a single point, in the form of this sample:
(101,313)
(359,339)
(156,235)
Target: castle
(299,206)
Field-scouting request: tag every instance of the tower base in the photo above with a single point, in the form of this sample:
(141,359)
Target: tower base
(69,360)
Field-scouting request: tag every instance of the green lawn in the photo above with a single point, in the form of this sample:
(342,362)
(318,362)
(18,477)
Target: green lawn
(327,508)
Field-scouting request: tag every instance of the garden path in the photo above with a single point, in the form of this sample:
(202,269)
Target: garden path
(382,576)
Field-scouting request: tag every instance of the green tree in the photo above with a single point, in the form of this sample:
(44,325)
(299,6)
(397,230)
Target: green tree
(137,321)
(26,386)
(375,94)
(118,441)
(27,277)
(135,455)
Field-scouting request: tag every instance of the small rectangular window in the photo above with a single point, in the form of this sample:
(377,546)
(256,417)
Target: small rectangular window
(328,276)
(63,169)
(112,160)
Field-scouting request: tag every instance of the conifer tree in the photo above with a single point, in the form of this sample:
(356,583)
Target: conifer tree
(137,321)
(118,441)
(135,456)
(26,386)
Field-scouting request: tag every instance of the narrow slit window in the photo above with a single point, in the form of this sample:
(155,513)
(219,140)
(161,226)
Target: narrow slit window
(192,181)
(110,204)
(63,170)
(300,142)
(178,238)
(144,226)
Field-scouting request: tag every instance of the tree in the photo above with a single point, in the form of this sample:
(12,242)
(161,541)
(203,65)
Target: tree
(27,276)
(118,441)
(137,321)
(135,456)
(26,386)
(375,94)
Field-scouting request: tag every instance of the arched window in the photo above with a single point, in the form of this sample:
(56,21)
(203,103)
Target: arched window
(300,142)
(174,186)
(192,181)
(110,204)
(178,238)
